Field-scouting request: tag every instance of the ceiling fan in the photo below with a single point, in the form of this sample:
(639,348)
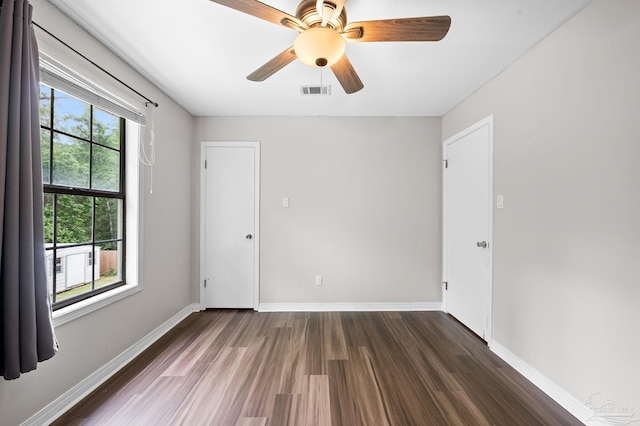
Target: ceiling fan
(323,28)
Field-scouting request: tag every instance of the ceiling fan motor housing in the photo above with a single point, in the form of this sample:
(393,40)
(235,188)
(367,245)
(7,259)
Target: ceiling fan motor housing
(308,14)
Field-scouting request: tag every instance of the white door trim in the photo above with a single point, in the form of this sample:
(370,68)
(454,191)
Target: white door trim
(203,180)
(488,121)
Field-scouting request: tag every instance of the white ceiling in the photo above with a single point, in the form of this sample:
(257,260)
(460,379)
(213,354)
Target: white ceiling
(199,53)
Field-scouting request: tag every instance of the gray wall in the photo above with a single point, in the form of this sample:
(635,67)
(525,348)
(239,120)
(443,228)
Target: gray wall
(365,208)
(88,343)
(567,270)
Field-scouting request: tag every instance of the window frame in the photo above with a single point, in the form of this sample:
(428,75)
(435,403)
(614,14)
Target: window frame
(56,190)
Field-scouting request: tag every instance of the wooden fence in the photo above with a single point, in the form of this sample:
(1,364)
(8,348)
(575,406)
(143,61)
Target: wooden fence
(108,261)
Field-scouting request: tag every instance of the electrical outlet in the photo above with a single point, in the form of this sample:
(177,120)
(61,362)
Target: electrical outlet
(318,279)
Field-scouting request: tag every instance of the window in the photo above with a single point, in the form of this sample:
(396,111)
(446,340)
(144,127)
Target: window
(83,173)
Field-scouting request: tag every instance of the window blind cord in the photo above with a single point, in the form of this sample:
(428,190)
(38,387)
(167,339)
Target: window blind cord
(148,158)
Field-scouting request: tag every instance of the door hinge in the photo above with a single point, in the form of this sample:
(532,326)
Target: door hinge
(446,164)
(205,283)
(446,285)
(205,164)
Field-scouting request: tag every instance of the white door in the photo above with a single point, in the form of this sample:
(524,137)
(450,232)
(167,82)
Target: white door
(230,225)
(468,226)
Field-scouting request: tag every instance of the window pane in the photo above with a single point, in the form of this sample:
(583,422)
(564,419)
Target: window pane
(48,218)
(109,263)
(70,161)
(45,105)
(106,128)
(71,115)
(106,169)
(108,213)
(45,145)
(74,219)
(74,273)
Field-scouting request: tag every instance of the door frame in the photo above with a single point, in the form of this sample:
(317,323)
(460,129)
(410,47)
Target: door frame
(256,235)
(488,121)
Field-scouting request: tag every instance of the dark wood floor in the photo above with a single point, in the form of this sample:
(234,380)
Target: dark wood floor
(227,367)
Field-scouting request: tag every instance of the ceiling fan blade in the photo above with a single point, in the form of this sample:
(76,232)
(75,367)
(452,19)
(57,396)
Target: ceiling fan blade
(273,66)
(347,76)
(427,28)
(259,10)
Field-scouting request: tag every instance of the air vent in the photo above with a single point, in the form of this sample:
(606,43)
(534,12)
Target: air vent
(315,90)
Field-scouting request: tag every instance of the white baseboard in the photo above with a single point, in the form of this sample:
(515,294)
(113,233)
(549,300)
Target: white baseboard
(74,395)
(578,409)
(349,307)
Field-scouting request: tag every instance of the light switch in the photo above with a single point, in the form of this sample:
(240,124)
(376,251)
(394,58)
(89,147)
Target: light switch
(500,201)
(318,279)
(285,203)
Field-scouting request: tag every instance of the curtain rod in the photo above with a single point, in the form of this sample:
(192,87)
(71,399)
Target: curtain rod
(149,101)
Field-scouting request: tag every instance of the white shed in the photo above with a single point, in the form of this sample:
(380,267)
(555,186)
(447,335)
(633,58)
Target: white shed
(73,266)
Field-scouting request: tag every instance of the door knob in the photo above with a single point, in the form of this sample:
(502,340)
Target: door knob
(482,244)
(249,236)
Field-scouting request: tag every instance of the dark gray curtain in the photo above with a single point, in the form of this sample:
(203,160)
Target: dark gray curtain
(26,331)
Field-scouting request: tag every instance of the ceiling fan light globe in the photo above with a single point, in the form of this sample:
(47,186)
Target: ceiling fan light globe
(319,45)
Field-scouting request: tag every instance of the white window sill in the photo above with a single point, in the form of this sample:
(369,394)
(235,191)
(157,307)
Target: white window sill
(77,310)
